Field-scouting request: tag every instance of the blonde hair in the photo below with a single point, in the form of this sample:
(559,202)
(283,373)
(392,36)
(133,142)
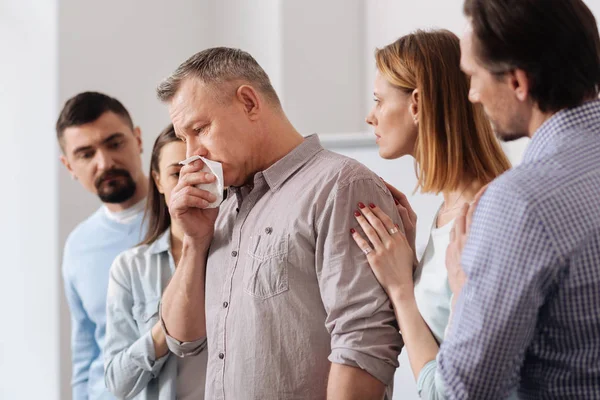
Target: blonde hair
(455,141)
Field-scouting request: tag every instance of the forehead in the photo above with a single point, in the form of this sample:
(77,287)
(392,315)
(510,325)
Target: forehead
(93,133)
(381,83)
(466,47)
(194,100)
(171,153)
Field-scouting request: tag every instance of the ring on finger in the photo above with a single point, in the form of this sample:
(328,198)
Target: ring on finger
(367,250)
(393,230)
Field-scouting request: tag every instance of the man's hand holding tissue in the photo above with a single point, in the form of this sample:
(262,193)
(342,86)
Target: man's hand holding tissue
(184,296)
(189,204)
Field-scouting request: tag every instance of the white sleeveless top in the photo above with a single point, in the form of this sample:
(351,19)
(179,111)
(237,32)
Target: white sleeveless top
(432,290)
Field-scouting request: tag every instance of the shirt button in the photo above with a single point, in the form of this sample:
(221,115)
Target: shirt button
(221,356)
(225,304)
(234,253)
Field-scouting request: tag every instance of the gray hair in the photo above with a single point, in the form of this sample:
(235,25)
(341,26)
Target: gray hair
(219,65)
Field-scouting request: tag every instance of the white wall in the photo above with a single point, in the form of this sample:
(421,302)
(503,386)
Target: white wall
(29,356)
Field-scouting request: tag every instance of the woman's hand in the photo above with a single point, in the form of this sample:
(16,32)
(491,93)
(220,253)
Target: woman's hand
(409,217)
(458,239)
(388,251)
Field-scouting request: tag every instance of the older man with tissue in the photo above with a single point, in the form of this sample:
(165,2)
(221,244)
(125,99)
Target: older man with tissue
(270,279)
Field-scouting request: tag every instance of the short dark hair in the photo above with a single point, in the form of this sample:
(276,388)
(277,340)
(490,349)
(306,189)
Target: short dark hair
(555,42)
(87,107)
(219,65)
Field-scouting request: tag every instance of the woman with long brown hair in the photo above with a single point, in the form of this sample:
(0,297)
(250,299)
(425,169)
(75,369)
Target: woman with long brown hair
(422,110)
(138,363)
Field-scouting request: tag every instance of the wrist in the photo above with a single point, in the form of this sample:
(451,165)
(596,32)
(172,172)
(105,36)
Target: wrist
(402,293)
(196,244)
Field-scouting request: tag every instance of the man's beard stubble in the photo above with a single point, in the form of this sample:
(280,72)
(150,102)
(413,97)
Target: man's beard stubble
(117,191)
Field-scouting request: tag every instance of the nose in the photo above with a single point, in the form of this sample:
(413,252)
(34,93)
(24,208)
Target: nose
(194,147)
(370,119)
(104,160)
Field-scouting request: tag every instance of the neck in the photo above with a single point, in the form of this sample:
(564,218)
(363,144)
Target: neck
(537,119)
(279,139)
(176,242)
(140,193)
(465,193)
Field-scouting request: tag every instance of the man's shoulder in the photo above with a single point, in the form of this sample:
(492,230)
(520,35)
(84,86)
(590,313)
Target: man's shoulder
(81,233)
(343,170)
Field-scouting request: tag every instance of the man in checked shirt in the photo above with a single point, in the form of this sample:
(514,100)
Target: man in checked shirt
(527,322)
(271,280)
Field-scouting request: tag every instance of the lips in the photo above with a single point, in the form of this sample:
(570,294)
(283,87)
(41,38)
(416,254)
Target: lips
(111,176)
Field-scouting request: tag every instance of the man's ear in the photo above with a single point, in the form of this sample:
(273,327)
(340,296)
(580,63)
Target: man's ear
(137,132)
(65,162)
(519,83)
(250,99)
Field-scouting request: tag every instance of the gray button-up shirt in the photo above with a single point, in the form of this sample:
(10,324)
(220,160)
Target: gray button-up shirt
(287,290)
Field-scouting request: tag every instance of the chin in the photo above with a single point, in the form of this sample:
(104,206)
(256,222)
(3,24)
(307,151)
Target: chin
(386,154)
(508,135)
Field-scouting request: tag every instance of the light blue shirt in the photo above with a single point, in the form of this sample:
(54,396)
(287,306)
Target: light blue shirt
(138,278)
(89,252)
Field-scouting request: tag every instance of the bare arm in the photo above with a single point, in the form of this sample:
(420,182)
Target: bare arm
(418,339)
(185,294)
(350,383)
(392,260)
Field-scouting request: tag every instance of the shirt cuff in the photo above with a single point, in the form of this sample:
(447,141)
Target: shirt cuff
(429,384)
(181,349)
(142,355)
(378,368)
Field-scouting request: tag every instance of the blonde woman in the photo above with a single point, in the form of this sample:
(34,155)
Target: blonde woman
(422,110)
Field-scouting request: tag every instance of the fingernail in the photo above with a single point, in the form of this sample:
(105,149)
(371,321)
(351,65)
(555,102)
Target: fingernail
(209,175)
(372,205)
(357,213)
(396,201)
(361,205)
(352,231)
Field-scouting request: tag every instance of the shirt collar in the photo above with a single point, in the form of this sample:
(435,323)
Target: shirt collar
(128,215)
(559,127)
(279,172)
(162,243)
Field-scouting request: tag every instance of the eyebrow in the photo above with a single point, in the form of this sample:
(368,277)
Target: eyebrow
(108,139)
(174,165)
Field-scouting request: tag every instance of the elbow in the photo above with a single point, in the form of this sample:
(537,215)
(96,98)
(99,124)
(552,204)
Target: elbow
(119,387)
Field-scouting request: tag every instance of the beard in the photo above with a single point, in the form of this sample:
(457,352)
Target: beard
(508,134)
(115,186)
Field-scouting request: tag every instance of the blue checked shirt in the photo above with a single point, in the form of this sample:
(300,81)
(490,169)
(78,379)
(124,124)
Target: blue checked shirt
(528,319)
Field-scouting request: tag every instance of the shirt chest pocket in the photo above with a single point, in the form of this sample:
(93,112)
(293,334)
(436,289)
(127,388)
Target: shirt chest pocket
(145,314)
(266,269)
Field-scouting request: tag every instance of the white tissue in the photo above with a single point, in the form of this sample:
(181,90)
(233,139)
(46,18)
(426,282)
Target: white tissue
(217,186)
